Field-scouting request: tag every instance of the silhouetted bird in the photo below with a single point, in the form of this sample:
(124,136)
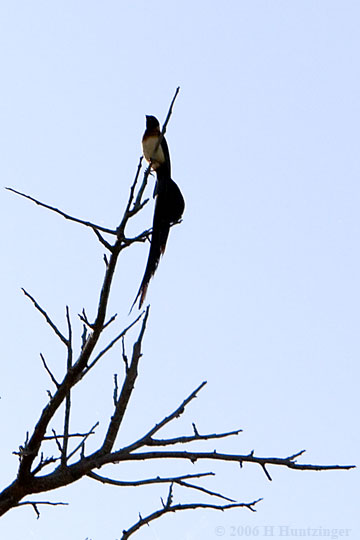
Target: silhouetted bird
(169,204)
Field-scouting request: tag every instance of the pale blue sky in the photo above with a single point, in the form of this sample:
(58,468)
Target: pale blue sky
(258,292)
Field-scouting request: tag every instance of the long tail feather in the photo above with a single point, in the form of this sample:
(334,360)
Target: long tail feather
(169,208)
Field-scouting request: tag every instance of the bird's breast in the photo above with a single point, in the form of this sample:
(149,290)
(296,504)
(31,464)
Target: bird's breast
(148,145)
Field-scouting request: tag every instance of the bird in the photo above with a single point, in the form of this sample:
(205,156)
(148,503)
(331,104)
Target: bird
(169,203)
(160,158)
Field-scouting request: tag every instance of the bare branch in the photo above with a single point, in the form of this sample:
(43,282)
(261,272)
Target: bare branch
(178,412)
(71,435)
(35,504)
(125,358)
(142,237)
(48,371)
(116,390)
(204,490)
(190,438)
(126,391)
(83,317)
(156,480)
(112,319)
(47,318)
(217,456)
(266,472)
(163,131)
(177,507)
(292,458)
(102,239)
(111,344)
(170,496)
(68,396)
(81,444)
(128,212)
(63,214)
(180,480)
(43,463)
(57,441)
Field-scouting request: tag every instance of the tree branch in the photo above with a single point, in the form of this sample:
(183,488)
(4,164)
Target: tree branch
(175,414)
(190,438)
(177,507)
(288,462)
(63,214)
(111,344)
(48,371)
(180,480)
(126,391)
(47,318)
(68,396)
(35,505)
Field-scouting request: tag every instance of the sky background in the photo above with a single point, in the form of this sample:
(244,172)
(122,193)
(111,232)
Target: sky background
(259,289)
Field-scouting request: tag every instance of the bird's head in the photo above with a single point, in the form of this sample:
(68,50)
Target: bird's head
(152,122)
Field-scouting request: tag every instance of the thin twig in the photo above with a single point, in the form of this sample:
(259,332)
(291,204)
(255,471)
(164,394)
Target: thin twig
(112,319)
(57,441)
(128,212)
(47,318)
(111,344)
(204,490)
(35,505)
(63,214)
(146,481)
(190,438)
(116,390)
(43,463)
(68,396)
(180,480)
(126,390)
(124,357)
(48,371)
(217,456)
(70,435)
(177,507)
(175,414)
(102,239)
(81,444)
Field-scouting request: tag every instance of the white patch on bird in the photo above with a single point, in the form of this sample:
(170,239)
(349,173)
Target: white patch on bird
(148,150)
